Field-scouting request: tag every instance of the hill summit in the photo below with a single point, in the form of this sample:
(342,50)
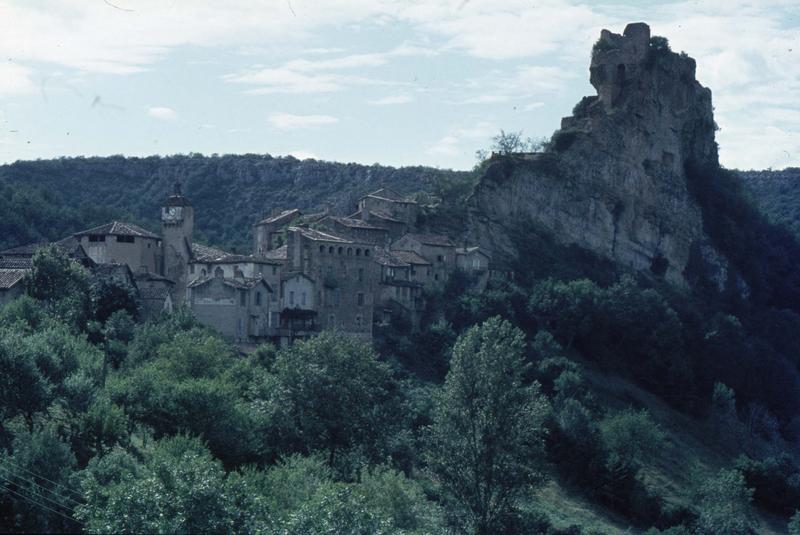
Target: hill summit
(613,178)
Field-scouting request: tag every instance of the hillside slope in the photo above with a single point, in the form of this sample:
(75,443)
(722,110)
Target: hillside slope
(777,195)
(50,198)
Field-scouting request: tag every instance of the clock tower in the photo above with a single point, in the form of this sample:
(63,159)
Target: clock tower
(177,227)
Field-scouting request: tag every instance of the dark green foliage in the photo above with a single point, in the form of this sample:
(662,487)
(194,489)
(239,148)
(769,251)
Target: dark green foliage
(61,285)
(108,296)
(329,393)
(724,504)
(777,194)
(775,482)
(38,482)
(229,192)
(485,444)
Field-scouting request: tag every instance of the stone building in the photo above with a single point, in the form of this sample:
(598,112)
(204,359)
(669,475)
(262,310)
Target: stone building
(177,230)
(436,249)
(344,274)
(238,307)
(122,243)
(306,273)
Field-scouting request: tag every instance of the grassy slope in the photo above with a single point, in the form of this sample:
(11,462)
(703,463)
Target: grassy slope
(691,450)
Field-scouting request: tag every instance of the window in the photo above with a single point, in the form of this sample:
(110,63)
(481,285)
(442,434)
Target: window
(125,239)
(322,249)
(341,250)
(360,274)
(360,299)
(332,320)
(436,277)
(358,321)
(242,298)
(440,258)
(258,299)
(366,252)
(203,273)
(96,238)
(218,273)
(303,299)
(330,249)
(291,298)
(349,251)
(358,252)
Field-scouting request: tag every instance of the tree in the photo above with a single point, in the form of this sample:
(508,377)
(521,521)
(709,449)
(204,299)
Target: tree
(486,440)
(329,393)
(61,284)
(724,504)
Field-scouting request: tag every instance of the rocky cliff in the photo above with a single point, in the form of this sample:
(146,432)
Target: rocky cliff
(613,177)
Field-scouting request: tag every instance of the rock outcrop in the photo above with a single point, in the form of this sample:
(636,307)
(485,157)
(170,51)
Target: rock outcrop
(613,177)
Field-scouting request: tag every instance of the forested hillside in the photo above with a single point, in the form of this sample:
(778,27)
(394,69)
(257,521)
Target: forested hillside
(48,199)
(777,194)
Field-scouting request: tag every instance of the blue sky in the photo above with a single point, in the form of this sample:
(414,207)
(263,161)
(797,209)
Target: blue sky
(398,82)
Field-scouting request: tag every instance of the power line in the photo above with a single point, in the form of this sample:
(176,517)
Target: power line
(32,482)
(18,467)
(38,495)
(34,502)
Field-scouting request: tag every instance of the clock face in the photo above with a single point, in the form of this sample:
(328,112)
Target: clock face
(171,213)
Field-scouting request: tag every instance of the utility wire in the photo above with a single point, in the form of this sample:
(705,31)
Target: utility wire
(32,482)
(18,467)
(38,495)
(34,502)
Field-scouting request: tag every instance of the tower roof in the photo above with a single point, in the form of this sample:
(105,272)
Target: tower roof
(177,198)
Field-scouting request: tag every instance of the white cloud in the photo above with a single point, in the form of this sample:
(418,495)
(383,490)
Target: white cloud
(391,100)
(533,106)
(304,155)
(463,140)
(15,79)
(162,113)
(288,121)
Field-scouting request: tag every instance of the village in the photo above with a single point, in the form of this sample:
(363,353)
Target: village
(307,272)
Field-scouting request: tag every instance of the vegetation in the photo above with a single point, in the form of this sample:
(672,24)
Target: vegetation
(573,382)
(228,191)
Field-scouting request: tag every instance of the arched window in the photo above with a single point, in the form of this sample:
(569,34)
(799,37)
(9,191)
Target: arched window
(358,252)
(321,248)
(366,252)
(203,273)
(218,273)
(349,251)
(330,249)
(341,250)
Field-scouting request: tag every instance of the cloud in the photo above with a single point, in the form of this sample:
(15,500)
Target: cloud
(304,155)
(452,144)
(391,100)
(533,106)
(288,121)
(162,113)
(15,79)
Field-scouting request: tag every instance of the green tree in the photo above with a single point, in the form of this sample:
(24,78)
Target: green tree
(724,504)
(486,440)
(61,284)
(632,435)
(329,393)
(180,488)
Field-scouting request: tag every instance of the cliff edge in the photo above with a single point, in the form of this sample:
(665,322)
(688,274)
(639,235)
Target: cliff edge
(613,177)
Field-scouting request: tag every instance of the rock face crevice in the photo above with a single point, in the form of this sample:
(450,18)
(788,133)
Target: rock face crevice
(613,177)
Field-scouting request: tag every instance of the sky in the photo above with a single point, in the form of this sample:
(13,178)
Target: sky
(396,82)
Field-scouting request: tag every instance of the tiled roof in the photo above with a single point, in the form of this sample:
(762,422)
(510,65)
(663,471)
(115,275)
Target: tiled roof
(389,258)
(154,292)
(281,253)
(240,284)
(410,257)
(431,239)
(355,223)
(286,215)
(204,253)
(17,262)
(318,235)
(470,250)
(11,277)
(117,228)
